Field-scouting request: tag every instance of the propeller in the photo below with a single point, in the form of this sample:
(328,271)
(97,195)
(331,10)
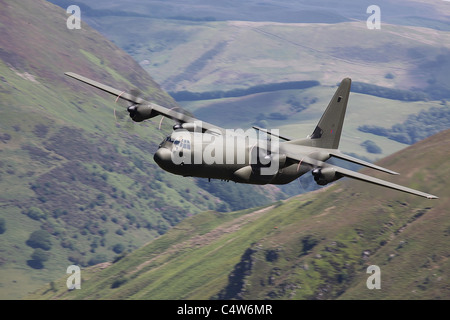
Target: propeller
(303,179)
(307,184)
(308,180)
(179,123)
(128,109)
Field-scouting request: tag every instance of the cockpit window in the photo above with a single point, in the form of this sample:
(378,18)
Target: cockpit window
(167,141)
(182,143)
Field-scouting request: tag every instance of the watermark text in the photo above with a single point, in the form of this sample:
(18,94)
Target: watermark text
(74,20)
(374,20)
(374,281)
(74,280)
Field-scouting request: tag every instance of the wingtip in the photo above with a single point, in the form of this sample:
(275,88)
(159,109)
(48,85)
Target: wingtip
(394,173)
(432,197)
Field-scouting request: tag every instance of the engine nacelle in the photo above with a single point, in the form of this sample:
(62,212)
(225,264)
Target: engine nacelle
(263,167)
(263,163)
(188,126)
(140,112)
(323,176)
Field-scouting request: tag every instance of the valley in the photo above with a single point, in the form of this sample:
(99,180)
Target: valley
(313,246)
(78,184)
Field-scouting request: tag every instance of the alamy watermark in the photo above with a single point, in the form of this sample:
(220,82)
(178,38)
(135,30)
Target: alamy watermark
(74,20)
(374,20)
(374,281)
(74,280)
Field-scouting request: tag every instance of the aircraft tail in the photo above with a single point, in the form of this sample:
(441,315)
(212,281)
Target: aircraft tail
(327,133)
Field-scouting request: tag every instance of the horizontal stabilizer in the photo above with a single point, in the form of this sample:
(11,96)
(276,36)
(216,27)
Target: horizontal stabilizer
(271,133)
(345,157)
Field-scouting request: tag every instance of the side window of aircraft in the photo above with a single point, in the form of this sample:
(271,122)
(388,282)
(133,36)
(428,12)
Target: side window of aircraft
(186,144)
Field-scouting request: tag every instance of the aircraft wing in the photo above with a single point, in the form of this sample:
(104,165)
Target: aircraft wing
(157,109)
(342,172)
(369,179)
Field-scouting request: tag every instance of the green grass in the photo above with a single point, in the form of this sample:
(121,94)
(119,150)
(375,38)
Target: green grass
(320,245)
(101,64)
(84,154)
(65,151)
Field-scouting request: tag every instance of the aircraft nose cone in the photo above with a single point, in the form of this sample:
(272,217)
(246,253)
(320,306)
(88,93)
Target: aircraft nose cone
(163,157)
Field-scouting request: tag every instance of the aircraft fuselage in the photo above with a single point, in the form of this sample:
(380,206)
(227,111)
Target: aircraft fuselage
(232,157)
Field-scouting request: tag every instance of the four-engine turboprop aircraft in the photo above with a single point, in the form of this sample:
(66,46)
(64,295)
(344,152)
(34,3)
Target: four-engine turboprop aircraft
(200,149)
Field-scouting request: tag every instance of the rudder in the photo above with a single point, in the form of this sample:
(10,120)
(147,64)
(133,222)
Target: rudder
(327,133)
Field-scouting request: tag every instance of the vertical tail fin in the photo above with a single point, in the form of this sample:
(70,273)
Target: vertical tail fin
(328,131)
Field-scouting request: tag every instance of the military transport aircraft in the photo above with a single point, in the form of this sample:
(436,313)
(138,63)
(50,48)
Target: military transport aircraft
(200,149)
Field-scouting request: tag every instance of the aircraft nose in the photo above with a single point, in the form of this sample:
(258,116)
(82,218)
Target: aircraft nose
(163,157)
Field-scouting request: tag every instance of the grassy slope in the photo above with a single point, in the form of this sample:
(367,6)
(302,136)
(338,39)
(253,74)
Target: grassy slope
(62,152)
(84,52)
(313,246)
(39,106)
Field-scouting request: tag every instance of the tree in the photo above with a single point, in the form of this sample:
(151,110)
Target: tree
(35,213)
(38,257)
(118,248)
(40,239)
(2,225)
(99,258)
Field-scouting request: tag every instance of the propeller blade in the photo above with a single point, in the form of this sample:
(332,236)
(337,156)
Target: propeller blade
(127,108)
(186,114)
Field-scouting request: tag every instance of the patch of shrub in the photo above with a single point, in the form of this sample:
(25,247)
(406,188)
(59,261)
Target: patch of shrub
(35,213)
(2,225)
(40,239)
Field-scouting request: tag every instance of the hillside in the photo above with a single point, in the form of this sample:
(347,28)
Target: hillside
(404,12)
(242,48)
(223,55)
(313,246)
(77,186)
